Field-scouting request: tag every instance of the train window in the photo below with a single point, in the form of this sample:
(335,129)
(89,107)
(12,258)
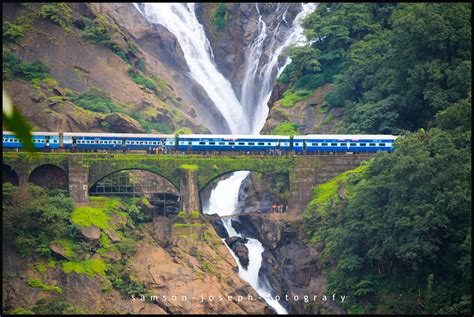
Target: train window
(261,143)
(231,143)
(362,144)
(269,143)
(333,144)
(353,144)
(202,143)
(324,144)
(241,143)
(371,144)
(381,144)
(55,141)
(221,143)
(296,143)
(189,143)
(212,143)
(251,143)
(141,142)
(343,144)
(314,144)
(154,142)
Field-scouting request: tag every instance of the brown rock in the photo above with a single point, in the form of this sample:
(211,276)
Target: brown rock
(59,250)
(91,233)
(120,122)
(112,235)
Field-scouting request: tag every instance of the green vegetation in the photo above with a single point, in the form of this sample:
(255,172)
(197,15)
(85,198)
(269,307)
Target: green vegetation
(33,282)
(290,98)
(219,17)
(32,219)
(388,77)
(96,100)
(100,32)
(183,131)
(89,267)
(14,67)
(142,81)
(191,167)
(12,32)
(21,311)
(286,128)
(40,267)
(55,306)
(404,226)
(68,245)
(58,13)
(90,216)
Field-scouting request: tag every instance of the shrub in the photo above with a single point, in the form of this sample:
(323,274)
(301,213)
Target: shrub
(55,306)
(219,17)
(12,32)
(58,13)
(96,100)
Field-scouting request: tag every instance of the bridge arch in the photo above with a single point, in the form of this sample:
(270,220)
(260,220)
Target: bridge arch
(9,175)
(214,177)
(109,173)
(50,176)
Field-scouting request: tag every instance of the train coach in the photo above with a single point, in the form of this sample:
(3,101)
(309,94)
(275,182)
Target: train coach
(41,140)
(222,142)
(343,143)
(117,141)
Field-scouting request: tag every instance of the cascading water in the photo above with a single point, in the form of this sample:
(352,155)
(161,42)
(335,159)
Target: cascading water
(243,117)
(180,19)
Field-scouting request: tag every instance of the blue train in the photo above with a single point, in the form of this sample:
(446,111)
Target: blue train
(313,143)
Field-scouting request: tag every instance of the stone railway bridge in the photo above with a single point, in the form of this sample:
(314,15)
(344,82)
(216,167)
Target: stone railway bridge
(188,173)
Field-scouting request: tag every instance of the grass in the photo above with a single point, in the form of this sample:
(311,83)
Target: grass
(33,282)
(89,267)
(90,216)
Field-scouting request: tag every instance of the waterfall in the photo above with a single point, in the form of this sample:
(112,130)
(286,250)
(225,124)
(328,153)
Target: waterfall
(180,19)
(243,117)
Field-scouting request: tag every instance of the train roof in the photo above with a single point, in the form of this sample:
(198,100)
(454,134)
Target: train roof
(234,136)
(346,136)
(119,135)
(36,133)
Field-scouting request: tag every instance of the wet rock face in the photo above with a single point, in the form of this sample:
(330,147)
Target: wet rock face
(241,29)
(237,244)
(216,222)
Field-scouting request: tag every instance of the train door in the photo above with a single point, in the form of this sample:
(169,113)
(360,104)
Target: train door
(47,143)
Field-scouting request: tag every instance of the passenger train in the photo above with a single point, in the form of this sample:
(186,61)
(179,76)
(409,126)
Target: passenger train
(313,143)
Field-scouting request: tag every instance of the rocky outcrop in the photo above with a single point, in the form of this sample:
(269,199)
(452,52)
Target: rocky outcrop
(311,115)
(289,264)
(58,250)
(237,244)
(217,224)
(92,233)
(122,123)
